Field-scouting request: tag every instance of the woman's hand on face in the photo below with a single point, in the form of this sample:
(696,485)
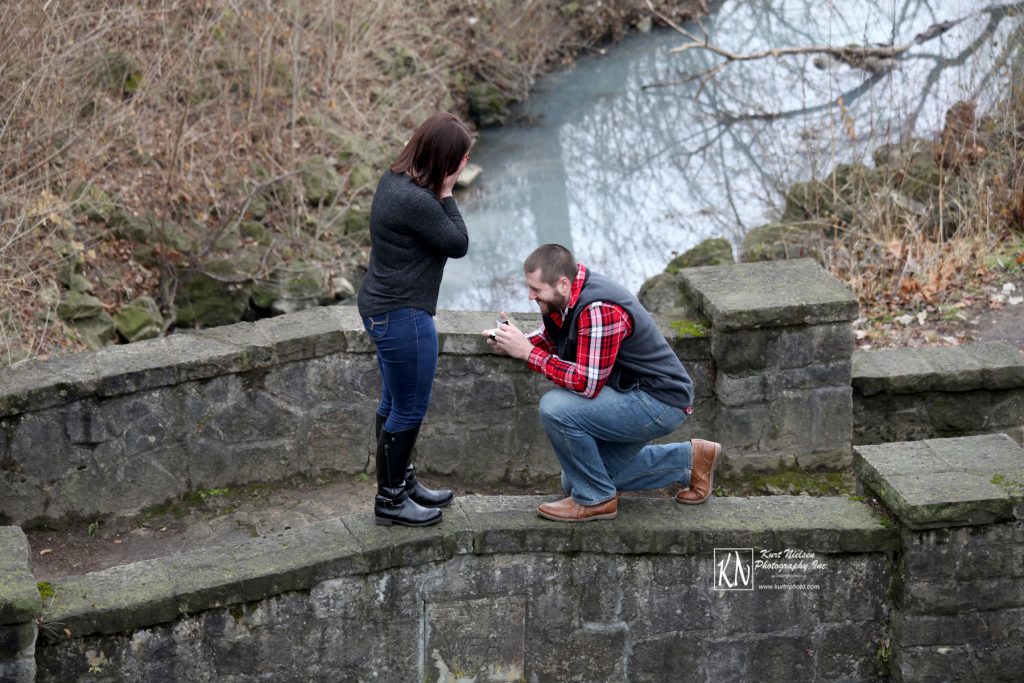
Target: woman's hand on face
(449,181)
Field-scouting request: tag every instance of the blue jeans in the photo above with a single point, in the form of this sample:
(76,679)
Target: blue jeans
(601,443)
(406,341)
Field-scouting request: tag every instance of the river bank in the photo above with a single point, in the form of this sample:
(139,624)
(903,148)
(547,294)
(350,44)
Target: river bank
(929,236)
(196,164)
(234,182)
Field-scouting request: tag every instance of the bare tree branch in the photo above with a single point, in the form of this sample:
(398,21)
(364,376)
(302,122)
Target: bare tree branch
(876,59)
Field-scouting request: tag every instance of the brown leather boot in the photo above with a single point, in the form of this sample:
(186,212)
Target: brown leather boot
(705,457)
(568,510)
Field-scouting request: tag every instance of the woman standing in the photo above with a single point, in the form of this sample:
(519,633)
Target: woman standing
(415,227)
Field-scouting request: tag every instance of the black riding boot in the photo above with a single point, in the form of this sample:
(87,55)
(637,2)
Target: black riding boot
(428,498)
(393,504)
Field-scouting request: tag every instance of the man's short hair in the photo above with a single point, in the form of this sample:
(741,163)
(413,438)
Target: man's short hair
(553,261)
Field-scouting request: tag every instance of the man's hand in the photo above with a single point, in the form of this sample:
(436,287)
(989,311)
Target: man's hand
(509,340)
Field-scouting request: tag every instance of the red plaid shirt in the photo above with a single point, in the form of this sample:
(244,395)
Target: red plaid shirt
(600,330)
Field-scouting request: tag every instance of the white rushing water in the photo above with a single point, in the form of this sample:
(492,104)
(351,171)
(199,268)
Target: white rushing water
(626,176)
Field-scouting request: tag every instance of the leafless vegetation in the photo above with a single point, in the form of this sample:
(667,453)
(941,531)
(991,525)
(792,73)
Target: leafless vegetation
(182,112)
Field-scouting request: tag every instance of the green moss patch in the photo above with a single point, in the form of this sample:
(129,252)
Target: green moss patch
(787,481)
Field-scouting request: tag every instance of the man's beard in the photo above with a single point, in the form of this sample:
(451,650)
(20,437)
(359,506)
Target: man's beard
(555,306)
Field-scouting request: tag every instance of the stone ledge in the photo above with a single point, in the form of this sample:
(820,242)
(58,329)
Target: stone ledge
(191,356)
(159,590)
(19,598)
(988,365)
(769,294)
(946,482)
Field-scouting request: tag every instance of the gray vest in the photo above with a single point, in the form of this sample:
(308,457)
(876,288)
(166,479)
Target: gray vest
(645,359)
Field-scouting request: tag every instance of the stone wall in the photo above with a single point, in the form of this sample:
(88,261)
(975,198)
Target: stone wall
(910,394)
(495,593)
(120,429)
(769,346)
(958,610)
(825,589)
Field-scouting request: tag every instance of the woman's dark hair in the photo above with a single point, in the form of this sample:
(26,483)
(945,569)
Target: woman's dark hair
(553,261)
(434,151)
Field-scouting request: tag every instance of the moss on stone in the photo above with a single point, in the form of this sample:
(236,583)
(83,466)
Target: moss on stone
(788,481)
(46,591)
(140,319)
(219,500)
(1011,485)
(690,328)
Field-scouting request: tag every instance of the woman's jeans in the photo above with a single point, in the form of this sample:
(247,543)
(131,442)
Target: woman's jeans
(406,341)
(601,443)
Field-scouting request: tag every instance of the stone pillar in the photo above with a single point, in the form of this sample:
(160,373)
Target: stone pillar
(782,343)
(959,596)
(20,605)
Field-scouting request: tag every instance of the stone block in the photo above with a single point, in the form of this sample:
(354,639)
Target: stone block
(16,640)
(783,657)
(883,418)
(383,547)
(339,439)
(116,599)
(995,453)
(703,374)
(852,589)
(144,479)
(31,385)
(745,352)
(849,651)
(958,597)
(651,659)
(931,555)
(805,345)
(924,501)
(600,654)
(17,653)
(998,663)
(19,599)
(483,638)
(743,428)
(807,421)
(741,390)
(38,452)
(690,350)
(1006,626)
(823,375)
(831,426)
(253,415)
(281,339)
(916,629)
(902,417)
(770,658)
(510,524)
(932,663)
(988,365)
(776,293)
(946,487)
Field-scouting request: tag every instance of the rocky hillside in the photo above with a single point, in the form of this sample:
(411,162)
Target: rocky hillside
(198,162)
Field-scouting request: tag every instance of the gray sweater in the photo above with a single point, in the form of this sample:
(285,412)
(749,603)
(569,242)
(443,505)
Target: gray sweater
(412,235)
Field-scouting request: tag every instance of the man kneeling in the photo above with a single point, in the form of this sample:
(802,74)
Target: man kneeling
(620,385)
